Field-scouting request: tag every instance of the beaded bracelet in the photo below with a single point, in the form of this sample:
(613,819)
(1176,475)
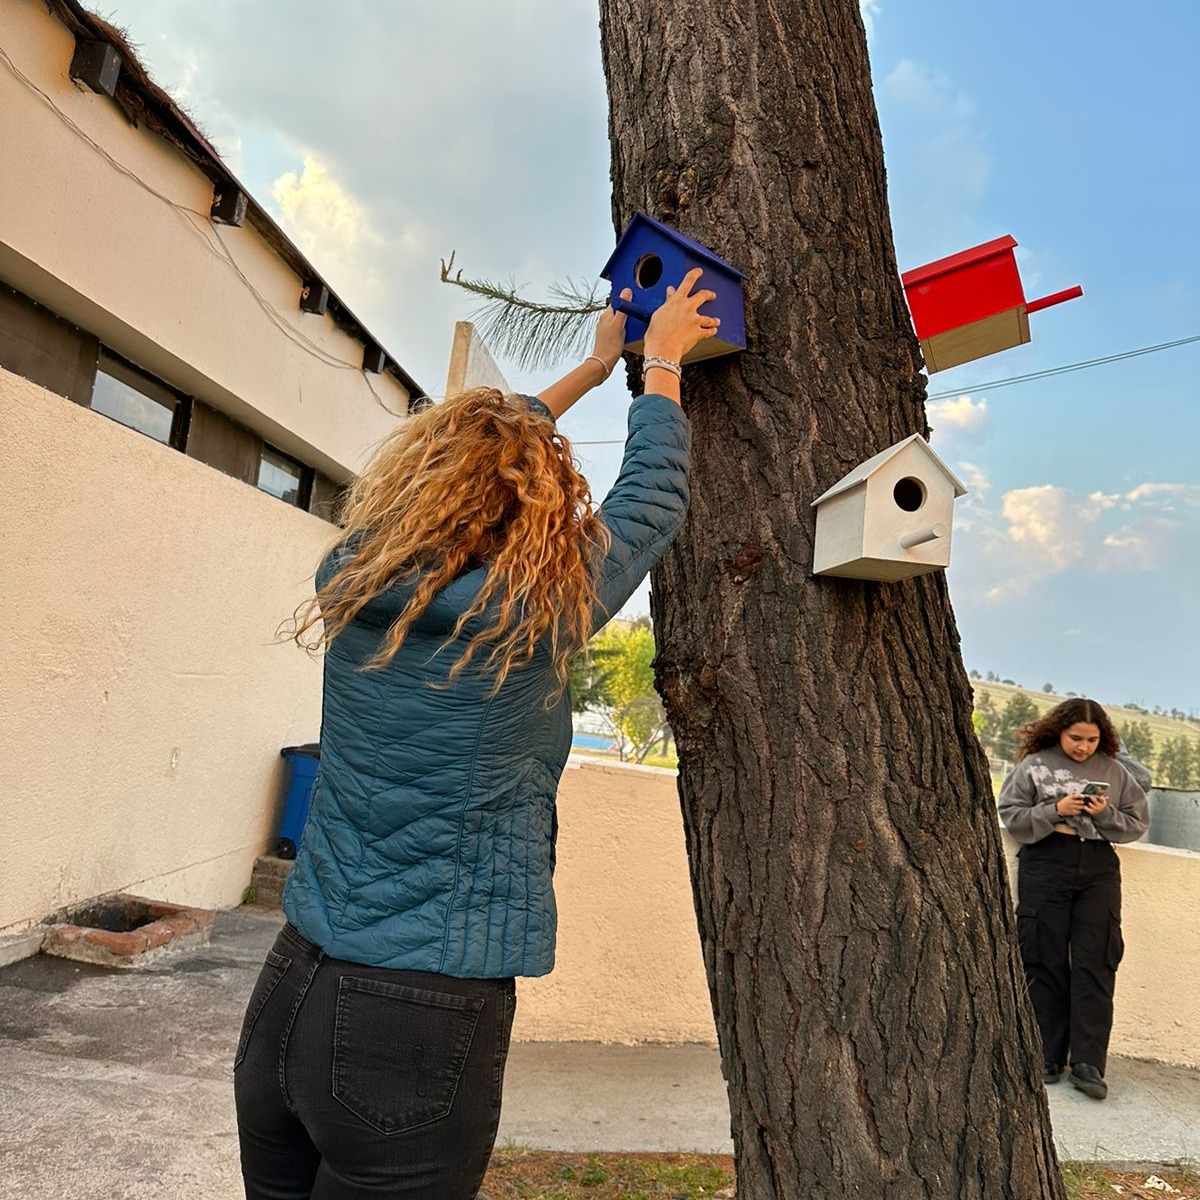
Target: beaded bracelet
(665,363)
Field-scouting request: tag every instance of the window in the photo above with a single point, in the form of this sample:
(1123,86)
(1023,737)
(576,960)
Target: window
(136,400)
(42,347)
(283,477)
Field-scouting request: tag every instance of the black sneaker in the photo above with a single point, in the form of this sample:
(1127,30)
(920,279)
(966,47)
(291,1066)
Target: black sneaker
(1051,1073)
(1088,1080)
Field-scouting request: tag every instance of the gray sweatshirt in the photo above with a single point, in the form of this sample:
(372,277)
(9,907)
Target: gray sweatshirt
(1037,783)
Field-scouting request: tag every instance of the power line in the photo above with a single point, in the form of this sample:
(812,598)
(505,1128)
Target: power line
(1063,370)
(210,237)
(1012,379)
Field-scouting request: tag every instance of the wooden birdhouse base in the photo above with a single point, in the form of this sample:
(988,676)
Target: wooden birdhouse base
(882,570)
(1000,331)
(708,348)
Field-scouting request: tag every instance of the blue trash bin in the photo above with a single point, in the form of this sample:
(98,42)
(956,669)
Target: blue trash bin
(302,763)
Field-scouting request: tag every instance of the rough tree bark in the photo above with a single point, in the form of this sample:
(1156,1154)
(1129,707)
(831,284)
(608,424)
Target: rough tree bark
(845,856)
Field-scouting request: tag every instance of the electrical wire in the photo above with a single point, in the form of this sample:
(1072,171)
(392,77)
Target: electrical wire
(1012,379)
(201,225)
(1063,370)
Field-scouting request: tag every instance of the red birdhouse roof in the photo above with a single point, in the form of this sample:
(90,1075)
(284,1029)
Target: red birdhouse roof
(964,258)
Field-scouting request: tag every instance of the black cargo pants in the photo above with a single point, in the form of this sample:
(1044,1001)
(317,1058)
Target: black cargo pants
(1069,922)
(355,1081)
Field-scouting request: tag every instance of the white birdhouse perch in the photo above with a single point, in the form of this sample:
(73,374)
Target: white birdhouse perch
(890,518)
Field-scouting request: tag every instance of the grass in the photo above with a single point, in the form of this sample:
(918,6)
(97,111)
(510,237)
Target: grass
(520,1174)
(549,1175)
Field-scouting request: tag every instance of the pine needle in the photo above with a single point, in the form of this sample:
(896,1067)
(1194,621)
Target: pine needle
(532,335)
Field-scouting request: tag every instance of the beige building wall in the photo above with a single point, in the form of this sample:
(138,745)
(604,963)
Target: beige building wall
(143,701)
(629,961)
(107,224)
(629,966)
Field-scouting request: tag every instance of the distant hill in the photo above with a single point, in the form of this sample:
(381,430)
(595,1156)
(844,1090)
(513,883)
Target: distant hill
(1161,727)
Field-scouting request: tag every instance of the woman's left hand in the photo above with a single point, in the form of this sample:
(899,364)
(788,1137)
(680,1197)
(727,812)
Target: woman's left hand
(1094,804)
(610,334)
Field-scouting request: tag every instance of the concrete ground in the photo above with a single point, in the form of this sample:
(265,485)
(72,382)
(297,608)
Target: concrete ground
(116,1085)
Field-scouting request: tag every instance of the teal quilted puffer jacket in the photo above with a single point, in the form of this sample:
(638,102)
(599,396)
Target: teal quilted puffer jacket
(430,839)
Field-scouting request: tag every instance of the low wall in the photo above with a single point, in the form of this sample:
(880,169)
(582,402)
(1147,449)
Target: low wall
(629,961)
(629,966)
(143,700)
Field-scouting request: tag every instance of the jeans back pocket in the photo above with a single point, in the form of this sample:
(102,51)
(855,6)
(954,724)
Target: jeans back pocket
(272,972)
(399,1052)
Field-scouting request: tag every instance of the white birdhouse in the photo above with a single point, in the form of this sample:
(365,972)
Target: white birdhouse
(890,518)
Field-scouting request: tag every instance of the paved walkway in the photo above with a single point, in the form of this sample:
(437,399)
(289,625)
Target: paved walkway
(116,1085)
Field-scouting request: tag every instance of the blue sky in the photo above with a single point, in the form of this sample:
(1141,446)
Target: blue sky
(385,134)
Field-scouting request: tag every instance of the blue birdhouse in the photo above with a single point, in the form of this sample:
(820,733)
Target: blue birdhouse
(649,257)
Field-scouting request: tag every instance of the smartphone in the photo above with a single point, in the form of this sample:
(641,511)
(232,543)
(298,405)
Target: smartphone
(1095,787)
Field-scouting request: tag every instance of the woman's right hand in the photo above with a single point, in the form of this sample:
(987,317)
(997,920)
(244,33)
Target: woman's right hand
(677,325)
(1070,806)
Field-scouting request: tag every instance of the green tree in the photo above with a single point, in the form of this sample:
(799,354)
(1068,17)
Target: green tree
(632,705)
(1179,762)
(1137,741)
(587,678)
(986,720)
(1020,710)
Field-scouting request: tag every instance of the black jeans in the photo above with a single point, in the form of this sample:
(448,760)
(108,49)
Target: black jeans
(1069,923)
(355,1081)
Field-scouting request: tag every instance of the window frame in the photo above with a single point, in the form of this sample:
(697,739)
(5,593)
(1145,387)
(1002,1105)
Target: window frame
(117,367)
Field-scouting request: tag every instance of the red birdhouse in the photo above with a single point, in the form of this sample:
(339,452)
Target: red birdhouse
(971,304)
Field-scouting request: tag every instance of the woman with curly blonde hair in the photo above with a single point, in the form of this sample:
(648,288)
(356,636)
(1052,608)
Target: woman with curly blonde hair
(471,567)
(1067,801)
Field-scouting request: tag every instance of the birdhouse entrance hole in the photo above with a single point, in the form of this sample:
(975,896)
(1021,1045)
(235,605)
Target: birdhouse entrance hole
(909,494)
(648,271)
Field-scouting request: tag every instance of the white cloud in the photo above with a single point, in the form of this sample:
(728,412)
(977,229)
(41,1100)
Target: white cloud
(1187,494)
(1147,545)
(869,9)
(962,416)
(317,211)
(1044,521)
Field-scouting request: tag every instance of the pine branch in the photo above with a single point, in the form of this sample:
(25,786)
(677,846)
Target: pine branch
(533,335)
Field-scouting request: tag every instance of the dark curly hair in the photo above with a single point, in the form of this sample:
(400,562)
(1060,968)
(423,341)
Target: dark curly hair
(1043,733)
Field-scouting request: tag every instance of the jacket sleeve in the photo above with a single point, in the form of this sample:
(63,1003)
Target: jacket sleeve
(1023,812)
(1127,814)
(646,507)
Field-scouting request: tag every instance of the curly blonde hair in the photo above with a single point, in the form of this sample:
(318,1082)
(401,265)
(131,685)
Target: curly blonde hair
(481,480)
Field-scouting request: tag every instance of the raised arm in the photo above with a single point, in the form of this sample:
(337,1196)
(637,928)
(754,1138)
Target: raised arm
(595,369)
(647,505)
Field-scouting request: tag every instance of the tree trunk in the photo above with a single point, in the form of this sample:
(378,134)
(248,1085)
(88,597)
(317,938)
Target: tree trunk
(845,854)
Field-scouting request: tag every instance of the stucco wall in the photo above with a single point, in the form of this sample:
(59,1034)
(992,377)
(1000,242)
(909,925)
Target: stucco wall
(107,225)
(1159,981)
(143,701)
(629,962)
(629,966)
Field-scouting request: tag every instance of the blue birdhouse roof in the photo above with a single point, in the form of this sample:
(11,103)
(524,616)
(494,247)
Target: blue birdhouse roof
(640,219)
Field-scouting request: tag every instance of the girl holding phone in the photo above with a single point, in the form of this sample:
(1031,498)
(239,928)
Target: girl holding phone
(1067,801)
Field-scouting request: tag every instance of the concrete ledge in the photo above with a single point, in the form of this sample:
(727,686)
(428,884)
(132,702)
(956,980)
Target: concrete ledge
(20,945)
